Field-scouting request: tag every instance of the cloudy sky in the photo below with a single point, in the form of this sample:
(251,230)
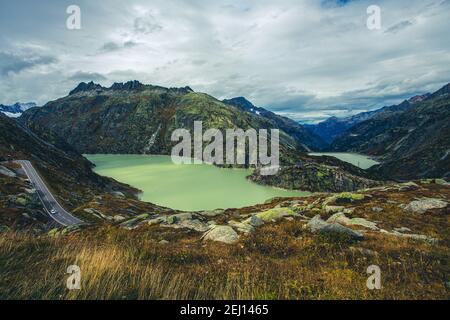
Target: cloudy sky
(306,59)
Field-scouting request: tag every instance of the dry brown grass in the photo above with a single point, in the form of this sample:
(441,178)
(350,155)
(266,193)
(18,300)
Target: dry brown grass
(280,261)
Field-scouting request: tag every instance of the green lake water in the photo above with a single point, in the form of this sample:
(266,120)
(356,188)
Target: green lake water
(186,187)
(359,160)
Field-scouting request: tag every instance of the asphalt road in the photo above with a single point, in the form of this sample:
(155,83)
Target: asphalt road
(49,202)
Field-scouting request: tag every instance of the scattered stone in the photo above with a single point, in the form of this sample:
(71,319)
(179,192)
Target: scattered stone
(333,209)
(425,204)
(171,219)
(342,219)
(318,225)
(407,186)
(163,242)
(344,197)
(142,216)
(275,214)
(254,221)
(224,234)
(180,217)
(134,222)
(186,216)
(194,224)
(6,172)
(118,218)
(118,194)
(377,209)
(241,226)
(402,229)
(212,213)
(157,220)
(419,237)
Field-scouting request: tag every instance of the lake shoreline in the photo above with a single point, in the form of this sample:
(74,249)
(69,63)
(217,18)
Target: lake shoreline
(361,161)
(195,187)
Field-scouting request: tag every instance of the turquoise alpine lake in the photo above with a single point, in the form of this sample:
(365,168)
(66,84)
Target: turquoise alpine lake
(359,160)
(186,187)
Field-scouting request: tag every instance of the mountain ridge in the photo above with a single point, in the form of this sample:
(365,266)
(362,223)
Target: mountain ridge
(141,120)
(286,124)
(95,118)
(411,143)
(333,127)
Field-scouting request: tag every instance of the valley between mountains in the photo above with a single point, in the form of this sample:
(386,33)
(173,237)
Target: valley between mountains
(316,244)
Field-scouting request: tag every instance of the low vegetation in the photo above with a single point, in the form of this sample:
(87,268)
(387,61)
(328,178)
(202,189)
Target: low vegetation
(280,260)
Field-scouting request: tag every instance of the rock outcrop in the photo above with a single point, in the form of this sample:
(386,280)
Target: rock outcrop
(317,225)
(423,205)
(223,234)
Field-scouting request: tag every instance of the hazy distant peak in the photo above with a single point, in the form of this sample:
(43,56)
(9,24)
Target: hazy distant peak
(16,109)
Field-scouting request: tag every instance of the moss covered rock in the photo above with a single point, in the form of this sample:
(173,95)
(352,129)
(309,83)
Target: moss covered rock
(275,214)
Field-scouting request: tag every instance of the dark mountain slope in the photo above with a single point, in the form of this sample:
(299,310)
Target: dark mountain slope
(66,171)
(333,127)
(137,118)
(291,127)
(412,143)
(133,118)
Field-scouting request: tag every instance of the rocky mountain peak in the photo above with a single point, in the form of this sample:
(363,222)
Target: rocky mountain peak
(419,98)
(133,85)
(445,90)
(130,85)
(83,87)
(240,102)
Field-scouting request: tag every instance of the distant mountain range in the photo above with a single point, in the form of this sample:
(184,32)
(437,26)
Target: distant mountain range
(333,127)
(133,118)
(16,109)
(412,140)
(308,139)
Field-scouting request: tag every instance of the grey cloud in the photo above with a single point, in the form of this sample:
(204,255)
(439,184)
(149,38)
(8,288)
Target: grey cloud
(317,58)
(399,26)
(199,62)
(146,24)
(15,63)
(110,46)
(87,76)
(114,46)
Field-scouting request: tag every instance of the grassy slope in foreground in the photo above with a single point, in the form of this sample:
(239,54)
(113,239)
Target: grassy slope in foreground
(281,260)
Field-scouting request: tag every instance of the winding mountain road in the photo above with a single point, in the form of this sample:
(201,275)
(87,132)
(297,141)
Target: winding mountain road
(51,206)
